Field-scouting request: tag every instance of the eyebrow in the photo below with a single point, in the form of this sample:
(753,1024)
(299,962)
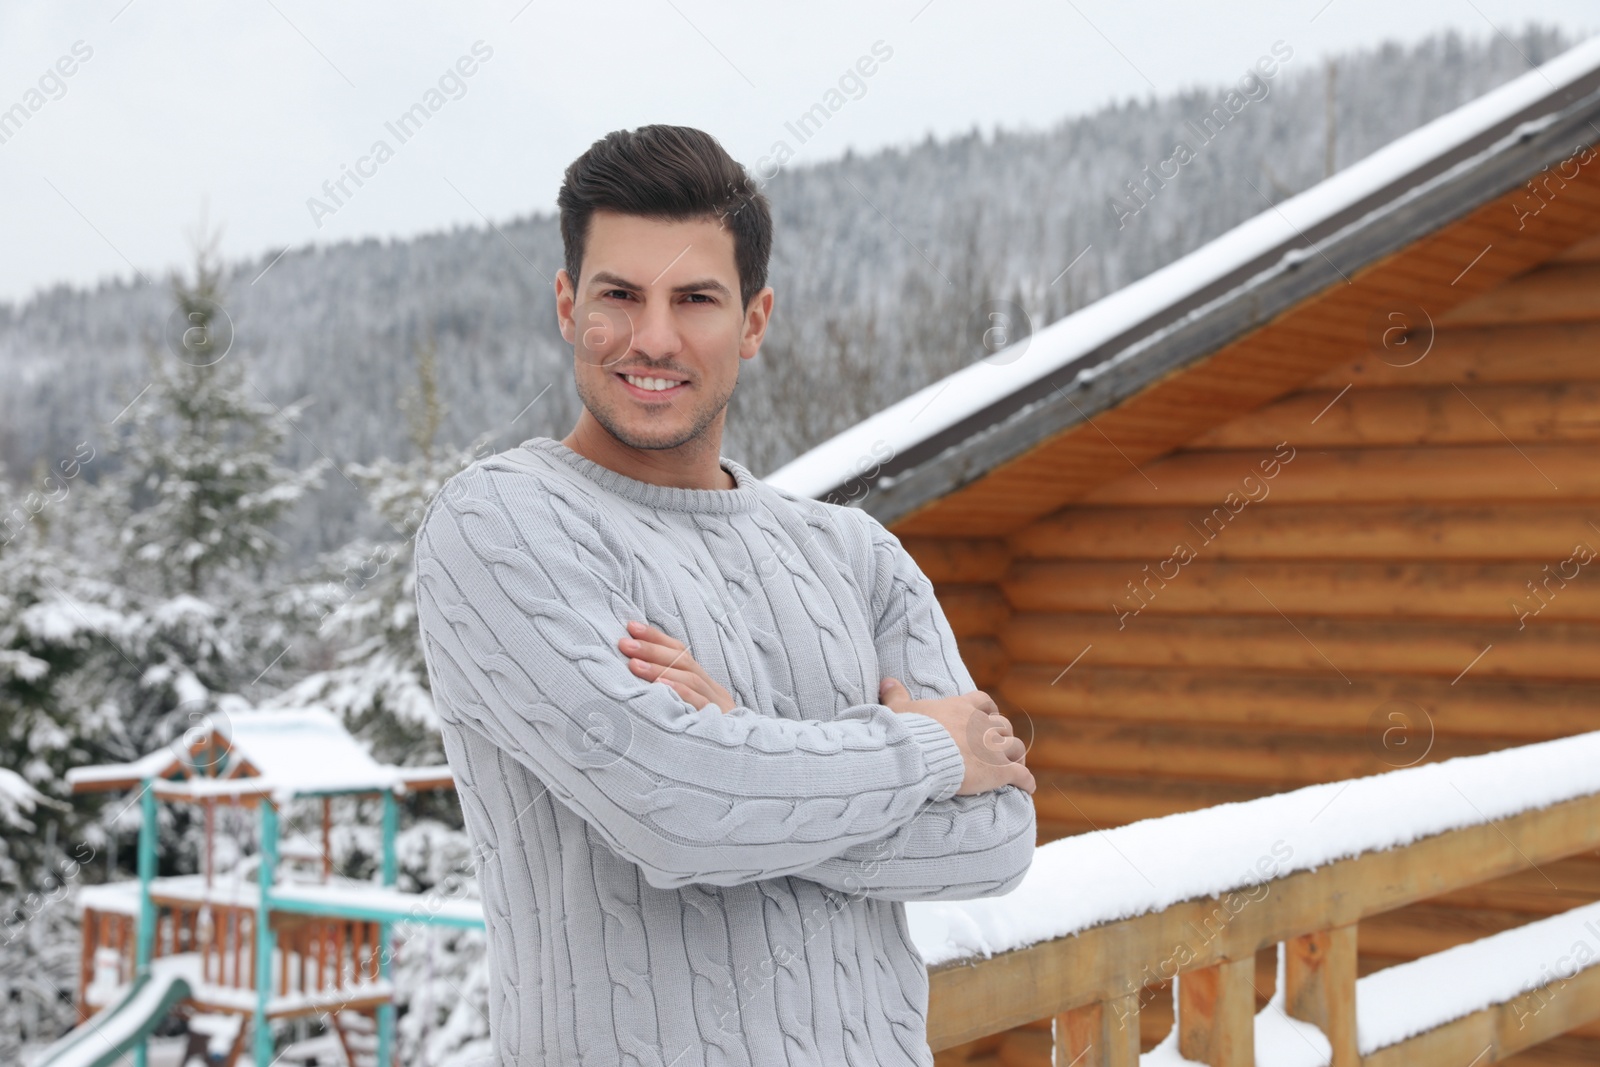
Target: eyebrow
(605,277)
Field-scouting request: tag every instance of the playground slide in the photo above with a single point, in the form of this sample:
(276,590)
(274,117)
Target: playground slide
(113,1031)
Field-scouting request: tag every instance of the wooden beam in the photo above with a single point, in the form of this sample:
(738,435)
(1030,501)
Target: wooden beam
(1389,532)
(1335,647)
(1369,588)
(1546,412)
(1481,355)
(969,999)
(1247,754)
(1468,474)
(1516,710)
(1319,975)
(1098,1034)
(1217,1013)
(1501,1031)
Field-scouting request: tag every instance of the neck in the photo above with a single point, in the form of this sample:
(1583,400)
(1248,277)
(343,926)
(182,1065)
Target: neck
(695,464)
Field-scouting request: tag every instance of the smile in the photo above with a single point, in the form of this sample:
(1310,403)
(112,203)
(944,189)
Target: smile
(653,388)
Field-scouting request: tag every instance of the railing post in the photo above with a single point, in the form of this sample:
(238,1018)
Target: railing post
(1104,1034)
(1217,1013)
(266,872)
(1319,979)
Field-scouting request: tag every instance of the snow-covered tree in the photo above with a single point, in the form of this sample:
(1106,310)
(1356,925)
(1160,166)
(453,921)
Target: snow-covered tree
(50,610)
(377,680)
(192,508)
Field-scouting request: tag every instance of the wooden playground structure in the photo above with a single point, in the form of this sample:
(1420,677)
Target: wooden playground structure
(237,951)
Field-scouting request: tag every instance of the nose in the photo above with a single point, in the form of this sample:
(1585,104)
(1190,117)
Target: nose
(655,332)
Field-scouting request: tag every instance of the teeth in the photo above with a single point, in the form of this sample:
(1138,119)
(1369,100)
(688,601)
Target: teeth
(653,384)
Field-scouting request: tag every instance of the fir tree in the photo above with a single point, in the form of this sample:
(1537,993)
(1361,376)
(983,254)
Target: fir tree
(377,681)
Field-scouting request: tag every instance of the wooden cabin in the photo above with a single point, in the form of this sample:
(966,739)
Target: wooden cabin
(1318,501)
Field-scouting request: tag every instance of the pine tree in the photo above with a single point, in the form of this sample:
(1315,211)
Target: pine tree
(193,506)
(378,681)
(51,612)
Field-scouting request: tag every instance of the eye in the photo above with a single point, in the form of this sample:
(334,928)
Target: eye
(617,292)
(701,296)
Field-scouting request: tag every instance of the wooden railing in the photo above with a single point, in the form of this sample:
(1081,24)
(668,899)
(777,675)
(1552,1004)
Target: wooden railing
(319,957)
(1091,982)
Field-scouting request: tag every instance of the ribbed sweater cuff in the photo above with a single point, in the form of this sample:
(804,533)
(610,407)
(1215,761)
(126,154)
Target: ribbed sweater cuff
(940,751)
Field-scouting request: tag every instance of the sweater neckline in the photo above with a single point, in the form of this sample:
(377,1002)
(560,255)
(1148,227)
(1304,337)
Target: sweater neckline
(743,497)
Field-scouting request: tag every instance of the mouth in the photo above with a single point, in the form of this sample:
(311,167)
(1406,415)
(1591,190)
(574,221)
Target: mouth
(652,388)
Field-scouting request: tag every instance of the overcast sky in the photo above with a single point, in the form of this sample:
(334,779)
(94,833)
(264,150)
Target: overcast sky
(248,108)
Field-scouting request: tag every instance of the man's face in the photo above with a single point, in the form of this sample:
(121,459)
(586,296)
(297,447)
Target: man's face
(658,300)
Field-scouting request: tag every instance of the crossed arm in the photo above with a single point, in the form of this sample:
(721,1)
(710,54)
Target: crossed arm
(521,601)
(959,848)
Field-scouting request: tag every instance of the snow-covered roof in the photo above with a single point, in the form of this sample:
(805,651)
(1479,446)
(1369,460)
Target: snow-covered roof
(1512,131)
(287,752)
(305,751)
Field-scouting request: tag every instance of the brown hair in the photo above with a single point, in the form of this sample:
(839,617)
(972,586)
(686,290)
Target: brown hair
(672,173)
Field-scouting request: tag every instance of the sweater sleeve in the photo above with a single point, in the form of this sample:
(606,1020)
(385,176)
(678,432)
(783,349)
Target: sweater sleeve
(521,603)
(958,848)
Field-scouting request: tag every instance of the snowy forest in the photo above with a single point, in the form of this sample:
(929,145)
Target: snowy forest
(188,530)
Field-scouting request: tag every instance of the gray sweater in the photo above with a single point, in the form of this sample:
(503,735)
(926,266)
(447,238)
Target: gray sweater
(672,886)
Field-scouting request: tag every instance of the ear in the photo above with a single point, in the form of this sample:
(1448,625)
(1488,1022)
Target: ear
(566,297)
(756,319)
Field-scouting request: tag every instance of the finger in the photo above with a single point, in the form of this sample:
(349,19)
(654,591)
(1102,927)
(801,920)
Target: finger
(894,695)
(655,652)
(655,672)
(646,632)
(698,700)
(1002,724)
(983,701)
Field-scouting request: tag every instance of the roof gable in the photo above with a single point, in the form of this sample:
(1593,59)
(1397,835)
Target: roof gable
(1233,324)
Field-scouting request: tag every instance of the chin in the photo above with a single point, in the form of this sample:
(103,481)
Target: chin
(654,431)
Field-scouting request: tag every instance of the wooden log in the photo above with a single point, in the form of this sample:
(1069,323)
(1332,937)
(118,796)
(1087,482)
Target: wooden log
(1386,532)
(1511,709)
(1546,413)
(1341,648)
(1098,1035)
(985,659)
(1103,801)
(975,610)
(1216,1013)
(1219,484)
(1319,975)
(969,998)
(1518,592)
(1275,758)
(1426,928)
(1557,292)
(1561,352)
(957,560)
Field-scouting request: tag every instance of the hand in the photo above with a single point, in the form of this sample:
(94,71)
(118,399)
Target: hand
(657,657)
(993,754)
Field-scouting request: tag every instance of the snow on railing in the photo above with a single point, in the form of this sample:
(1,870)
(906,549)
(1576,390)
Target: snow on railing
(1101,916)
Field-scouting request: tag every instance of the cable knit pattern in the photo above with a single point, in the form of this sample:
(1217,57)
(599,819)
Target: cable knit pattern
(673,887)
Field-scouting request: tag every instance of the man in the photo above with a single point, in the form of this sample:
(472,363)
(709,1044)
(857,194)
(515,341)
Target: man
(708,736)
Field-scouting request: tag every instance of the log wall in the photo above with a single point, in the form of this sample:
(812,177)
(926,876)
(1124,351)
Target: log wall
(1397,562)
